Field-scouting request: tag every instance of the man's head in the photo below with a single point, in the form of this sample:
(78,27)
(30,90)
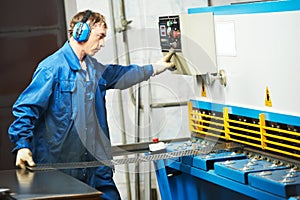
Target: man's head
(93,27)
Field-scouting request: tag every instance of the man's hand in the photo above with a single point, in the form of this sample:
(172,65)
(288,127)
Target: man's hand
(163,64)
(24,156)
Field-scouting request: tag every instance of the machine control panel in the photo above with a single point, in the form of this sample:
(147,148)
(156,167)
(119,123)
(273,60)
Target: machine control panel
(169,33)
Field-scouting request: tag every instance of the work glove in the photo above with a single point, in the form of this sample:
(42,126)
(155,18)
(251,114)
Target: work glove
(164,63)
(24,156)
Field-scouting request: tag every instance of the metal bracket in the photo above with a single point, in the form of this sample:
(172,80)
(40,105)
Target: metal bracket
(124,25)
(210,78)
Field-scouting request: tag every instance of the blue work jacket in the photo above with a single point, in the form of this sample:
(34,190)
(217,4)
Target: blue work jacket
(46,112)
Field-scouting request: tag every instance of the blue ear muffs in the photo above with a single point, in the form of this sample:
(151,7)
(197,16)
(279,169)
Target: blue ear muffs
(81,30)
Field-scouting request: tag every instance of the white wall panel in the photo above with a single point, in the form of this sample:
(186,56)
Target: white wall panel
(267,55)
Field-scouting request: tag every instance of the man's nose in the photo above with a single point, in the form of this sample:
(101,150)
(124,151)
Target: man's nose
(102,43)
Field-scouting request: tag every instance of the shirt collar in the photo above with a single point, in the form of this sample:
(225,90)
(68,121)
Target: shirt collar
(71,57)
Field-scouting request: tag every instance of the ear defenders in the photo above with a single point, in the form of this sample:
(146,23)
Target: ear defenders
(81,30)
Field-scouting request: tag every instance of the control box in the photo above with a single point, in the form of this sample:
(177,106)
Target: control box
(169,33)
(192,36)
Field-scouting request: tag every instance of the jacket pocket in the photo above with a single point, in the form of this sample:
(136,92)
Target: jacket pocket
(63,98)
(67,86)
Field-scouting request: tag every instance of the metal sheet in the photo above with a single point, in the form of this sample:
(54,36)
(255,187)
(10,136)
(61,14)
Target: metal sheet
(51,184)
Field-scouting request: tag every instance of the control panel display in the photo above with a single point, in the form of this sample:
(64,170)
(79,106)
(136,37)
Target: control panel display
(169,33)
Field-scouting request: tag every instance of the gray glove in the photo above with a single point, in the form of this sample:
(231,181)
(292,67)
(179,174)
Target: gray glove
(24,156)
(164,63)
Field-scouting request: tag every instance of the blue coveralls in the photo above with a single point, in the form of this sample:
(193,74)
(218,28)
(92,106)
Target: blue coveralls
(61,116)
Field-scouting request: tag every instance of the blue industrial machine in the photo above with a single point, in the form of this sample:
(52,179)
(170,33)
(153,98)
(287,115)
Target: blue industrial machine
(253,110)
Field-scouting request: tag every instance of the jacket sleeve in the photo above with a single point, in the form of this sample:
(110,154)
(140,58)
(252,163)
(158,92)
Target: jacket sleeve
(29,107)
(122,77)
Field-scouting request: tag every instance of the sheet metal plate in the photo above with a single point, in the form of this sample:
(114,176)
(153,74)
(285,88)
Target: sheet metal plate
(53,184)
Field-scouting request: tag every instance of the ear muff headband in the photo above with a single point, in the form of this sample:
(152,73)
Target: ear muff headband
(81,30)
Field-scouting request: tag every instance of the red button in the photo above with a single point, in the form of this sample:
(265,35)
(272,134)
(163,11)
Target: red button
(155,140)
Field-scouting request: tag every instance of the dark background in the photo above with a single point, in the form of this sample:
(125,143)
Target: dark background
(29,31)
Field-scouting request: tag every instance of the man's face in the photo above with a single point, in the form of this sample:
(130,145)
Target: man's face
(96,39)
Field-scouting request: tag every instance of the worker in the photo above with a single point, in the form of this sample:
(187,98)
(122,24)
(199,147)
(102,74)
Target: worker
(61,116)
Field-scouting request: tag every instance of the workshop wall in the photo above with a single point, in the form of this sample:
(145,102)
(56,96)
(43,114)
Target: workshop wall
(29,31)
